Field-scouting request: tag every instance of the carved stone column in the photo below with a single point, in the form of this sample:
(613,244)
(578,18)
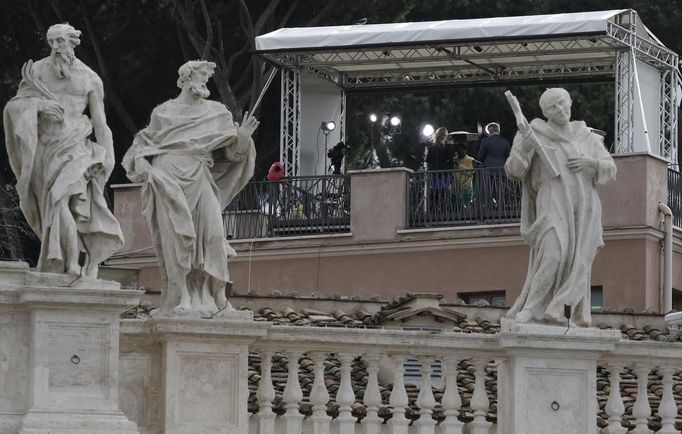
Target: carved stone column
(205,373)
(372,397)
(614,406)
(59,346)
(547,376)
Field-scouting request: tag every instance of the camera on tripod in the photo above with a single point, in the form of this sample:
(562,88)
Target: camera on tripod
(336,155)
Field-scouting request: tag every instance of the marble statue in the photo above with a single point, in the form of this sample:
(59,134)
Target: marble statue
(192,159)
(560,163)
(60,171)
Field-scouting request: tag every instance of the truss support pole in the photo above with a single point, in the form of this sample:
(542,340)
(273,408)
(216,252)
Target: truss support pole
(668,113)
(625,102)
(290,122)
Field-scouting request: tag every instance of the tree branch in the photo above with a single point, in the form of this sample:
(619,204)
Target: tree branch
(209,30)
(288,14)
(264,17)
(330,6)
(246,19)
(184,49)
(36,18)
(221,47)
(104,70)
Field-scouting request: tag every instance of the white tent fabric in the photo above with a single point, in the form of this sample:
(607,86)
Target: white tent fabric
(436,31)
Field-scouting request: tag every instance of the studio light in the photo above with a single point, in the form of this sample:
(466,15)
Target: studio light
(373,117)
(427,130)
(328,126)
(395,121)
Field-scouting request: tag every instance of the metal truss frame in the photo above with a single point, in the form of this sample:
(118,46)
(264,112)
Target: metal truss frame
(595,57)
(624,110)
(670,81)
(570,71)
(290,118)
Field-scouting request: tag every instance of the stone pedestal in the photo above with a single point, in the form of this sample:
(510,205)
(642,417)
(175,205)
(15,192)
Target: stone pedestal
(546,387)
(205,372)
(59,344)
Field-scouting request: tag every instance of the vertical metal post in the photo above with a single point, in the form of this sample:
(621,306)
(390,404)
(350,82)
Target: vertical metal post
(290,122)
(625,103)
(625,93)
(667,143)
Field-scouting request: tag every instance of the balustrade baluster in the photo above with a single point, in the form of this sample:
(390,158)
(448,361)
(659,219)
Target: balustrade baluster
(265,395)
(614,406)
(319,396)
(345,397)
(479,400)
(372,397)
(425,401)
(293,395)
(667,409)
(398,399)
(451,401)
(642,410)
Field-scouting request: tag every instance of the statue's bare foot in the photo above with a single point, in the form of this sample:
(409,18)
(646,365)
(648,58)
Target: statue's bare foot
(523,316)
(185,304)
(90,272)
(74,270)
(183,307)
(220,300)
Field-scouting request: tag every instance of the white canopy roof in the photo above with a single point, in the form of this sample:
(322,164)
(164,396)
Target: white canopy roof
(436,31)
(566,47)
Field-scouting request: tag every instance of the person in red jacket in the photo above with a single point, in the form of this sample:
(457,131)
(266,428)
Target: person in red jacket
(276,172)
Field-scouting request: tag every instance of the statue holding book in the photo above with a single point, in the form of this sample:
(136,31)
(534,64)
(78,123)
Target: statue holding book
(560,163)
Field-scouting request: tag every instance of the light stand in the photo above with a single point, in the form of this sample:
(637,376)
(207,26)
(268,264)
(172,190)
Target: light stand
(373,121)
(327,127)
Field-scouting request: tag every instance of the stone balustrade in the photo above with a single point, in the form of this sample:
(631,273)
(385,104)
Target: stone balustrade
(349,396)
(325,380)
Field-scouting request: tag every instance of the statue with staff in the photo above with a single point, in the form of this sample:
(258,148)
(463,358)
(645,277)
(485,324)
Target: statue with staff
(560,164)
(192,159)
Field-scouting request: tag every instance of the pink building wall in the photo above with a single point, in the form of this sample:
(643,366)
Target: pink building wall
(381,258)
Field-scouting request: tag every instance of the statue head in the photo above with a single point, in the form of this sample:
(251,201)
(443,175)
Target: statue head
(193,76)
(62,39)
(556,105)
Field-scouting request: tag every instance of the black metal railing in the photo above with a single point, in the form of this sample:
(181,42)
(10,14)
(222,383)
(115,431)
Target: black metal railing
(675,196)
(299,205)
(462,197)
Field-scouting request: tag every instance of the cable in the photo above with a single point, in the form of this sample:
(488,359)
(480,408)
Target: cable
(317,149)
(227,303)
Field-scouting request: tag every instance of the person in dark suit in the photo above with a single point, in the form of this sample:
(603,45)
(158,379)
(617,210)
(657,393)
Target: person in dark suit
(493,153)
(494,149)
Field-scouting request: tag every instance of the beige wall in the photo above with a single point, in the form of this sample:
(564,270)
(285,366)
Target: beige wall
(128,211)
(641,182)
(382,259)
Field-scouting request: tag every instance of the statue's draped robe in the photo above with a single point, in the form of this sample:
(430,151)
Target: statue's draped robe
(192,179)
(50,161)
(565,208)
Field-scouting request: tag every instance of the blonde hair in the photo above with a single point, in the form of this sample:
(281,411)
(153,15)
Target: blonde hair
(440,135)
